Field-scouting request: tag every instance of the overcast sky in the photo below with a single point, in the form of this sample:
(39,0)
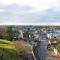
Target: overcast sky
(35,12)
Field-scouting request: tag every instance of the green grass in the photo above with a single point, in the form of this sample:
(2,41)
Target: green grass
(8,51)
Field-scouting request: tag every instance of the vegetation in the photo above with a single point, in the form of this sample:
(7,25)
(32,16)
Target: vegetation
(23,48)
(7,33)
(57,45)
(8,51)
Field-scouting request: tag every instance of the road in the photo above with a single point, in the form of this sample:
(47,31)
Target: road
(41,52)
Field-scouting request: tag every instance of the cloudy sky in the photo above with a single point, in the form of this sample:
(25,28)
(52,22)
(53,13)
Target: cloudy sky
(35,12)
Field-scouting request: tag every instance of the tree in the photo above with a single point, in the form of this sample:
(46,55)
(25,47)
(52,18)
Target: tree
(9,33)
(23,48)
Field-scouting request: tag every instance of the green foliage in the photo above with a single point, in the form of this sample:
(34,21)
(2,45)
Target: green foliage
(9,54)
(1,36)
(58,48)
(57,45)
(8,51)
(9,33)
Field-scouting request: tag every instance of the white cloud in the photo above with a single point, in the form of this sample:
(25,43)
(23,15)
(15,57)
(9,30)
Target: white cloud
(2,10)
(7,1)
(26,12)
(37,4)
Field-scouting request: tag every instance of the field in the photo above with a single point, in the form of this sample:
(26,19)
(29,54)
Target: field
(8,51)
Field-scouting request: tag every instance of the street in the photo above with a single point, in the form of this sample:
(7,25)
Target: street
(43,52)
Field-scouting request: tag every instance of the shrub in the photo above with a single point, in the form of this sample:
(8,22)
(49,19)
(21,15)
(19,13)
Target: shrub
(23,48)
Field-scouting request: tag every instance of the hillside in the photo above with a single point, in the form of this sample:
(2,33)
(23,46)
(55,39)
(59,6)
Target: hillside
(8,51)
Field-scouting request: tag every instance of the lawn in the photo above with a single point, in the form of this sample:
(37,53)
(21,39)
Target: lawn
(8,51)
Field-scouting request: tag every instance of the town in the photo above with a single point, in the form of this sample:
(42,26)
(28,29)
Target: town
(33,42)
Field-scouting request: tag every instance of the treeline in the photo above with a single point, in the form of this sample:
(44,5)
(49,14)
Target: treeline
(7,33)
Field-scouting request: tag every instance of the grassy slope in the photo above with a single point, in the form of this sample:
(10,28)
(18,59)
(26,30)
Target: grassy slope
(8,51)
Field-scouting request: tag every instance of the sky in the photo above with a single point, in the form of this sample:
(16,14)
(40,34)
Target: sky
(30,12)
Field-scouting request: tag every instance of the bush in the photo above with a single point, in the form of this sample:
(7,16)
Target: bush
(23,48)
(1,36)
(57,45)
